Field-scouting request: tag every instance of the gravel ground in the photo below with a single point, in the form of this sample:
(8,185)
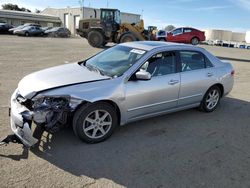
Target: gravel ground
(184,149)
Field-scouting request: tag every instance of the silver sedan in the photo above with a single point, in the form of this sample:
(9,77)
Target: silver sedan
(125,83)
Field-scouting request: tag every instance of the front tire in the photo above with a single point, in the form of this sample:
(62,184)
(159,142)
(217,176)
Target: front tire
(96,39)
(211,99)
(128,37)
(95,122)
(27,34)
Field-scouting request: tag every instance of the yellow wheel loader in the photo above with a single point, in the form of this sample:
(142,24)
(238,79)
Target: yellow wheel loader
(109,28)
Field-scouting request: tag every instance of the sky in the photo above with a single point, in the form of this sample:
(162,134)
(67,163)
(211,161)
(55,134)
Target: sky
(202,14)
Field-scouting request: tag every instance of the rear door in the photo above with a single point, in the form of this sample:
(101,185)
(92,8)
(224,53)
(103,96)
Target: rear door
(187,35)
(32,30)
(197,75)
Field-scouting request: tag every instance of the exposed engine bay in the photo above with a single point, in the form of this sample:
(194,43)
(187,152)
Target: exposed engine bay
(50,112)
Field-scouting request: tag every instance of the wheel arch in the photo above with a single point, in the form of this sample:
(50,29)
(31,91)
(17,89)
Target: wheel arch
(110,102)
(195,37)
(115,106)
(220,86)
(99,29)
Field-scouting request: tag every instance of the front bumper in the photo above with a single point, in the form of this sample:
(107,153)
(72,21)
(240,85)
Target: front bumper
(19,125)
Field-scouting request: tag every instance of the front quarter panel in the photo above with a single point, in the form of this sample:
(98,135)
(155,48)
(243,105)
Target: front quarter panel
(93,91)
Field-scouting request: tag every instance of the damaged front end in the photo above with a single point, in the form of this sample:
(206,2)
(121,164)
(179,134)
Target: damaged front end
(49,112)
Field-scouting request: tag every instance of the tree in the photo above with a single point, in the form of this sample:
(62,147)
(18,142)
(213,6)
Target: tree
(10,6)
(169,28)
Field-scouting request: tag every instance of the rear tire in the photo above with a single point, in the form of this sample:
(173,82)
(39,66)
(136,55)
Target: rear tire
(195,41)
(96,39)
(211,99)
(26,34)
(95,122)
(128,37)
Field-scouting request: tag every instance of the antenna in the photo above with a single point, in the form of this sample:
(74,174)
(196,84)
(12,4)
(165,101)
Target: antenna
(107,3)
(81,2)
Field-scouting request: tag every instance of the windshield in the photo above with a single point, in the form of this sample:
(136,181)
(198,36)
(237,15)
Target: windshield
(114,61)
(27,27)
(20,27)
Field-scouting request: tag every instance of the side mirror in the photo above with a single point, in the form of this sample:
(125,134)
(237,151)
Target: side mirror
(143,75)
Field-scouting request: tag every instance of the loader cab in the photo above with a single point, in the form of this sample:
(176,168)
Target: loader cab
(152,31)
(110,21)
(111,16)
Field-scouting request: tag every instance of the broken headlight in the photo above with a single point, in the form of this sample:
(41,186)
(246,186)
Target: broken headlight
(56,102)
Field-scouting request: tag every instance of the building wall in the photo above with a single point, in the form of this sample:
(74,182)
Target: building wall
(75,13)
(212,34)
(17,22)
(17,18)
(247,38)
(238,37)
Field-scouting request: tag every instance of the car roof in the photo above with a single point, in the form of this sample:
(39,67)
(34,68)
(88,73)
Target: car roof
(150,45)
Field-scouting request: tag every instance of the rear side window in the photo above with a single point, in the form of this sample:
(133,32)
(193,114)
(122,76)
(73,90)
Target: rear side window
(187,30)
(191,60)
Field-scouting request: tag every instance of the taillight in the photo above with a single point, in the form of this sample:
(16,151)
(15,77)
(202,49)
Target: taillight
(232,72)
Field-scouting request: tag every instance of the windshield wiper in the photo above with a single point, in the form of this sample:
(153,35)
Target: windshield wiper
(96,69)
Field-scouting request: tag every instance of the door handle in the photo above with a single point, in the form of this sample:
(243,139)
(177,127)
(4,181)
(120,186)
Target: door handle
(209,74)
(173,82)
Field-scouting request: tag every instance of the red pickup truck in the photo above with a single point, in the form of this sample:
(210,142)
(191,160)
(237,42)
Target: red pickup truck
(186,35)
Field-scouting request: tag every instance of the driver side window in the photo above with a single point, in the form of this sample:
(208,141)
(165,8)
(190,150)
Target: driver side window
(177,32)
(160,64)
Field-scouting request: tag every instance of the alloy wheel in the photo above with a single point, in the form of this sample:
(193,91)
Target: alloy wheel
(97,124)
(212,99)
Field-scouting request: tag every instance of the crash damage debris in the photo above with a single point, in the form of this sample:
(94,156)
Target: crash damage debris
(10,138)
(49,113)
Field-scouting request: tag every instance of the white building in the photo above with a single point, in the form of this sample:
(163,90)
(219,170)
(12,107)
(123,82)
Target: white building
(224,35)
(247,38)
(70,16)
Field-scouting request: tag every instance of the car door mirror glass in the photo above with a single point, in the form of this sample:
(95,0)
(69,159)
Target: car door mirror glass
(143,75)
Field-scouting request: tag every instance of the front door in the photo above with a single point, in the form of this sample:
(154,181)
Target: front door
(160,93)
(175,36)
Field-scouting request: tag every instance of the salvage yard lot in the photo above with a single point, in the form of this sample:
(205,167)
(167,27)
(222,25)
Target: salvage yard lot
(183,149)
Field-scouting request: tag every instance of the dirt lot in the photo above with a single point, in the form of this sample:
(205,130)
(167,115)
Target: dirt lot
(184,149)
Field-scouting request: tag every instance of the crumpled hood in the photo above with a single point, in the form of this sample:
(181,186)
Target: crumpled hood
(62,75)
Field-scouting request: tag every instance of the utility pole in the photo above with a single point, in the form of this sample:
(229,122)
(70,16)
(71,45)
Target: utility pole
(81,2)
(107,3)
